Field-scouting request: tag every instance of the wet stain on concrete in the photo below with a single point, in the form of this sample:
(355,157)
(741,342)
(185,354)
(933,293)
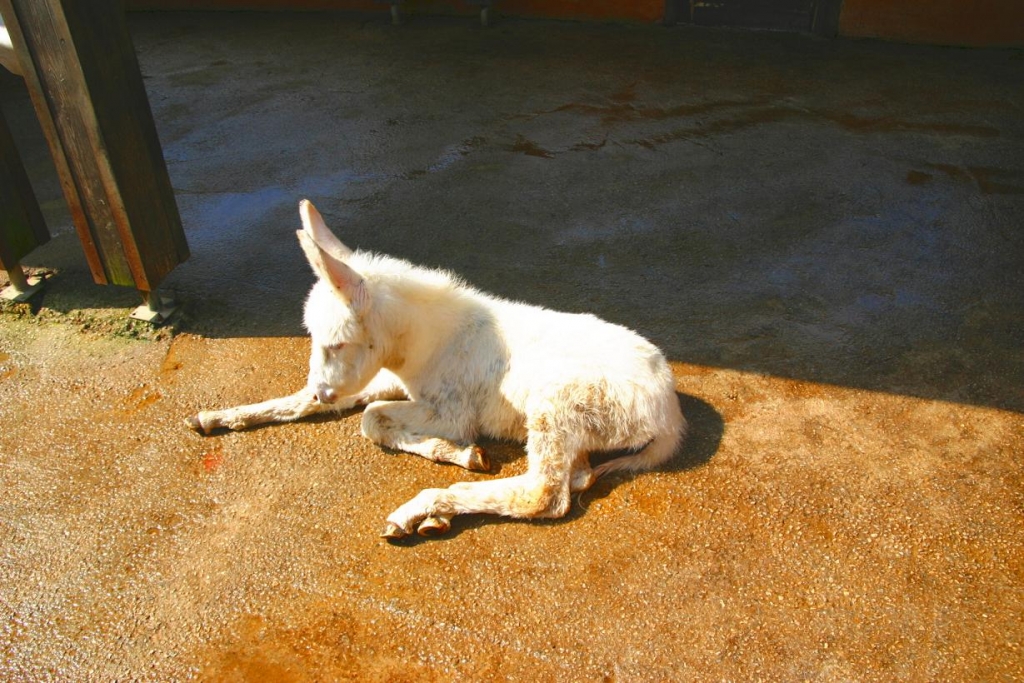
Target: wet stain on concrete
(448,158)
(754,112)
(7,369)
(998,180)
(626,94)
(742,115)
(950,170)
(889,124)
(624,110)
(140,398)
(530,148)
(171,363)
(589,146)
(988,180)
(850,122)
(918,177)
(335,645)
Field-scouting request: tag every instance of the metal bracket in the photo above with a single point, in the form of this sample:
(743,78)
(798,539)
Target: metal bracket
(485,11)
(396,11)
(22,288)
(155,310)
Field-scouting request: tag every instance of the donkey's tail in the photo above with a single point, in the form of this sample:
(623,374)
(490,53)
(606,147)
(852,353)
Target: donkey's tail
(660,449)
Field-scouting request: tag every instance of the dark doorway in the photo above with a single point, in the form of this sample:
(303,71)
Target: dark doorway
(818,16)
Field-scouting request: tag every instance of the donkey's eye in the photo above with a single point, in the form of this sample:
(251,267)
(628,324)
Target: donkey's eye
(336,347)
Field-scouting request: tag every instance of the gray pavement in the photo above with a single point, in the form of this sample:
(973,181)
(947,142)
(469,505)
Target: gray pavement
(824,236)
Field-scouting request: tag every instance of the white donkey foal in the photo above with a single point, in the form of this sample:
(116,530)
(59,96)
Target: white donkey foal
(464,364)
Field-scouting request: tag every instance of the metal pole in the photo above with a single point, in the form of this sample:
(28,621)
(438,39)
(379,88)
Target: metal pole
(18,280)
(22,288)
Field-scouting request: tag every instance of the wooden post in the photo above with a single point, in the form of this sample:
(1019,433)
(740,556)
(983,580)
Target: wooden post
(825,21)
(82,73)
(670,16)
(22,228)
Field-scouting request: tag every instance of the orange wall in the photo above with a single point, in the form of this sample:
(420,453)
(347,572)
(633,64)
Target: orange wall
(629,10)
(635,10)
(945,22)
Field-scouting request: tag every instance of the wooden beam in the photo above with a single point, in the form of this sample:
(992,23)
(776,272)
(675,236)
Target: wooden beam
(83,75)
(670,16)
(22,228)
(825,22)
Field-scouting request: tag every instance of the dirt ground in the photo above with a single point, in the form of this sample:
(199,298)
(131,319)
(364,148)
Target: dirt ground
(824,237)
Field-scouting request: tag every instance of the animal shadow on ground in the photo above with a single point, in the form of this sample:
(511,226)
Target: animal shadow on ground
(704,435)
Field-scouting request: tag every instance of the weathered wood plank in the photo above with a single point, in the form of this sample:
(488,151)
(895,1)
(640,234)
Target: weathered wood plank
(60,161)
(826,18)
(671,13)
(22,228)
(89,96)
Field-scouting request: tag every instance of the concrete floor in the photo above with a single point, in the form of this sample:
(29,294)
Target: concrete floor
(825,238)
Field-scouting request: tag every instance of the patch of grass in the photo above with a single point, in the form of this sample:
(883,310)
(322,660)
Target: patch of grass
(107,321)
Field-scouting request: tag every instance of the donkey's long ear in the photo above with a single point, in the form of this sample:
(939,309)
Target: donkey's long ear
(313,224)
(327,259)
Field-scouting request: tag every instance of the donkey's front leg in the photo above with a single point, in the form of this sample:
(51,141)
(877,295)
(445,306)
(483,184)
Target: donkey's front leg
(413,427)
(298,405)
(287,408)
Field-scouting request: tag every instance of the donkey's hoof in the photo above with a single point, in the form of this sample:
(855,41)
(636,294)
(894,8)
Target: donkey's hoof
(393,532)
(195,423)
(434,526)
(478,460)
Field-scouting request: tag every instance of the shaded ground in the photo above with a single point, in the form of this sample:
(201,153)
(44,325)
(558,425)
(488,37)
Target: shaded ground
(823,236)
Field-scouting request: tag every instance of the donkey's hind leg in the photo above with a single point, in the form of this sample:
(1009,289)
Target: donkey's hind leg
(543,491)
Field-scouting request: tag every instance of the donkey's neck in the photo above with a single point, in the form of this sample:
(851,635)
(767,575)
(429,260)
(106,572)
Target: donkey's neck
(418,318)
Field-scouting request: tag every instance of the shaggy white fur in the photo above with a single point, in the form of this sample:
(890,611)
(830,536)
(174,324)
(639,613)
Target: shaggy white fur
(439,364)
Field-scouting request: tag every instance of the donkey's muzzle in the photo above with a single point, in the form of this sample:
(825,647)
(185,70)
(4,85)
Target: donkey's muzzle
(326,395)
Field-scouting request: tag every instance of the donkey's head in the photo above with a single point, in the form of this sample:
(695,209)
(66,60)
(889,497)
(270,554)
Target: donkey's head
(343,358)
